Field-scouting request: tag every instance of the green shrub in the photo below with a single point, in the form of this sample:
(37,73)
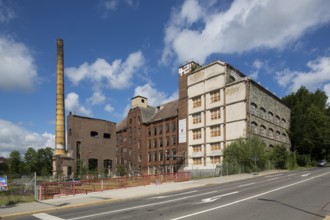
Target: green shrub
(304,160)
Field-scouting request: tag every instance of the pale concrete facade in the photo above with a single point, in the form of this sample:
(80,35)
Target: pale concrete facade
(224,105)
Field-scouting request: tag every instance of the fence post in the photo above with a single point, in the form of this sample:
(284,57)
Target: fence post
(40,192)
(35,187)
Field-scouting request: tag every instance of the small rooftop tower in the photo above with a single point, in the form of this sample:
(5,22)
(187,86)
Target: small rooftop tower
(139,101)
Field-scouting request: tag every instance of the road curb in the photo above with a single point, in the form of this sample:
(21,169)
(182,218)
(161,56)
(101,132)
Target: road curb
(58,208)
(188,185)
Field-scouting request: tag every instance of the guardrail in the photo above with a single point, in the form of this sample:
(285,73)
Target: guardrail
(49,190)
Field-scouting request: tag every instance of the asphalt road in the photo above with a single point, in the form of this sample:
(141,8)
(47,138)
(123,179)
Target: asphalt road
(290,195)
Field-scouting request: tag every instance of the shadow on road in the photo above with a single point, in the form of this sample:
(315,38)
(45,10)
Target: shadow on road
(311,213)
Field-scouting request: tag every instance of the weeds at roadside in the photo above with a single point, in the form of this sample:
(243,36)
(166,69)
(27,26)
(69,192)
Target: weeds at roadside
(6,199)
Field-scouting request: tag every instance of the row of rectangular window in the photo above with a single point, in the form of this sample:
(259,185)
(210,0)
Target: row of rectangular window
(214,160)
(198,148)
(167,142)
(160,129)
(214,132)
(214,97)
(214,115)
(160,156)
(95,134)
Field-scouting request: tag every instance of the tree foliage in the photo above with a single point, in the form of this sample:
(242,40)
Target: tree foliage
(30,160)
(39,162)
(310,123)
(121,171)
(44,161)
(248,153)
(15,162)
(279,156)
(4,168)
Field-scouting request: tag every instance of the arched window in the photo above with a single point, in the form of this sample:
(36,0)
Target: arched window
(270,116)
(278,134)
(254,126)
(263,130)
(231,79)
(277,119)
(253,108)
(263,112)
(284,137)
(283,122)
(271,133)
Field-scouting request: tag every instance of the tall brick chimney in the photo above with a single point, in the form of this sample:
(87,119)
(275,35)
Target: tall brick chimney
(60,119)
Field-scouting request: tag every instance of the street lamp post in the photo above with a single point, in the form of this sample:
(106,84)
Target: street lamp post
(165,156)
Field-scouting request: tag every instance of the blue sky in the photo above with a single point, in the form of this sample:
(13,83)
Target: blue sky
(116,49)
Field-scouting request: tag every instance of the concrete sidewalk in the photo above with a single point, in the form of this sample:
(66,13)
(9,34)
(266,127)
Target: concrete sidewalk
(114,195)
(110,196)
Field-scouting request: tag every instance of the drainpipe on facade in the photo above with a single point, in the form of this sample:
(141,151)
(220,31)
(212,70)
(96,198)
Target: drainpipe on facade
(247,106)
(224,109)
(204,127)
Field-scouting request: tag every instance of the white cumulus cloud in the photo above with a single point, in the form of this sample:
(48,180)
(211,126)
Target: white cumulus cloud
(197,30)
(318,76)
(326,89)
(6,12)
(108,108)
(96,98)
(72,104)
(13,137)
(154,96)
(17,68)
(112,5)
(117,75)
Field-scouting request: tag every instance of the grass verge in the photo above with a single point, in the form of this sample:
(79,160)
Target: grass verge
(6,199)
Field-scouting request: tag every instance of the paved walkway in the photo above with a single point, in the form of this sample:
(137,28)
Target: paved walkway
(113,195)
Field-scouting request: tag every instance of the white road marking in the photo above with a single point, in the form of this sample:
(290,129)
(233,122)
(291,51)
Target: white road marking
(273,179)
(214,198)
(45,216)
(271,176)
(248,198)
(161,197)
(142,206)
(292,174)
(306,174)
(248,184)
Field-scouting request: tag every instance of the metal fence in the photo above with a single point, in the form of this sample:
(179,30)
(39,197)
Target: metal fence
(48,190)
(41,188)
(19,189)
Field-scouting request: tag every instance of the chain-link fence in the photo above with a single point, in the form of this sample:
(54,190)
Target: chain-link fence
(19,189)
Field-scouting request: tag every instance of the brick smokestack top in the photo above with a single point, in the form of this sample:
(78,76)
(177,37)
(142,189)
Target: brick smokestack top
(60,120)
